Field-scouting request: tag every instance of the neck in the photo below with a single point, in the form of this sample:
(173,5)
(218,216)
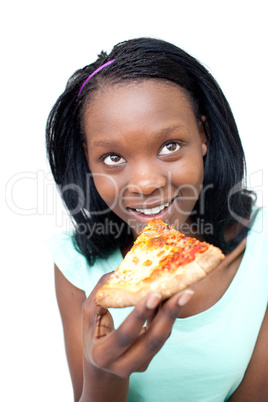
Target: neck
(192,229)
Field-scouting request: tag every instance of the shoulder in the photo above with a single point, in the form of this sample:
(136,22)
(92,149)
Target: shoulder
(258,234)
(254,386)
(260,220)
(74,266)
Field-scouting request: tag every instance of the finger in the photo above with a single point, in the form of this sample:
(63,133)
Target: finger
(163,322)
(145,348)
(118,341)
(152,316)
(183,300)
(91,311)
(102,281)
(97,322)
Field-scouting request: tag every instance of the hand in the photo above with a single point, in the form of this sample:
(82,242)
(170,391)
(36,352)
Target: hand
(132,346)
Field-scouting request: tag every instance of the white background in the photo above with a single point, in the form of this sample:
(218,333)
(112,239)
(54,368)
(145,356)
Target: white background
(42,44)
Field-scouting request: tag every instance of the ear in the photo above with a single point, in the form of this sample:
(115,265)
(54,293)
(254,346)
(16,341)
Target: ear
(203,131)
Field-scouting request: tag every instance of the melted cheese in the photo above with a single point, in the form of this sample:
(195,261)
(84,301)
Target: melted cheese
(133,272)
(158,251)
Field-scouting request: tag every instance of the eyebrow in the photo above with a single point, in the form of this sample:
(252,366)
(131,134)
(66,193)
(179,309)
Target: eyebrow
(159,134)
(105,143)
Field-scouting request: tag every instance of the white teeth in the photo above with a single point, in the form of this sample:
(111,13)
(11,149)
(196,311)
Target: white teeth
(153,211)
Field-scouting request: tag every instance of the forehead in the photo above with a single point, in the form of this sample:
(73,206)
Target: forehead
(136,103)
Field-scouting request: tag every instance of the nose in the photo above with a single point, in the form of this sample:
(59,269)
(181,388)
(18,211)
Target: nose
(145,178)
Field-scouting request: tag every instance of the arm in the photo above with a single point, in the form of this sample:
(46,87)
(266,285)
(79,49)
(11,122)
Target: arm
(110,356)
(70,300)
(254,386)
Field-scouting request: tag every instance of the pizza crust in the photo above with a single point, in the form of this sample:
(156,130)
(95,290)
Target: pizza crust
(210,259)
(166,285)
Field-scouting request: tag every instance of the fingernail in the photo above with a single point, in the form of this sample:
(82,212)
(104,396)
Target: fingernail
(185,297)
(153,301)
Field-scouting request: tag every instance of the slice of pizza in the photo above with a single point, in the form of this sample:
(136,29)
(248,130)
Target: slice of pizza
(162,260)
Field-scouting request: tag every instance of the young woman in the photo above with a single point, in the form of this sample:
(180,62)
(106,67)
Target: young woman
(146,132)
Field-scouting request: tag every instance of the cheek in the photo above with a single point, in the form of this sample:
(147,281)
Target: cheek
(107,187)
(189,183)
(189,176)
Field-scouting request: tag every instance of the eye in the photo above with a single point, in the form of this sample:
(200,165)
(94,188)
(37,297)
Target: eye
(113,160)
(169,148)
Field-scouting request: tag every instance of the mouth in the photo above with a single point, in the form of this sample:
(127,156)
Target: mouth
(153,211)
(146,214)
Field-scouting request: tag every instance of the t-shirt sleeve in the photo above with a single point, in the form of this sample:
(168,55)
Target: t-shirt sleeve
(69,261)
(74,265)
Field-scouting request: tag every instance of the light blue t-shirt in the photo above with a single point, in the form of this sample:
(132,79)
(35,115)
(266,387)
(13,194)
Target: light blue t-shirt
(207,354)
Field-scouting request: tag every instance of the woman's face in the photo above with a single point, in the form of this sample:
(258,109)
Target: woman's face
(145,150)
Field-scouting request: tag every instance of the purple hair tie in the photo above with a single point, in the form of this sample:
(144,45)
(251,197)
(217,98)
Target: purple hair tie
(92,74)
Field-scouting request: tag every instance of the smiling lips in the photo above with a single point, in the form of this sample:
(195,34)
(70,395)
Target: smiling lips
(152,211)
